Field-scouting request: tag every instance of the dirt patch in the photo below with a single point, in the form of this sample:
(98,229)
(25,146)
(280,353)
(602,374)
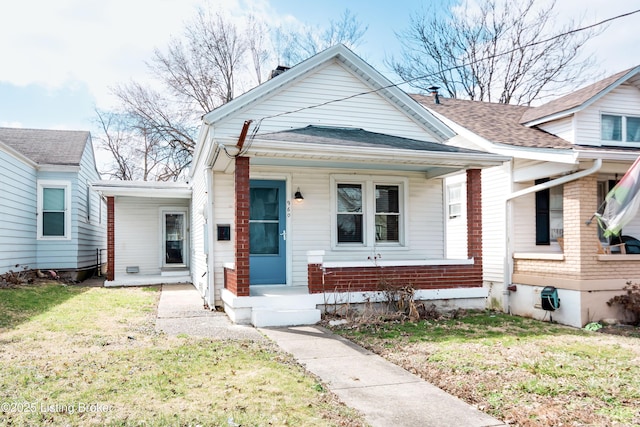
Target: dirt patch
(621,330)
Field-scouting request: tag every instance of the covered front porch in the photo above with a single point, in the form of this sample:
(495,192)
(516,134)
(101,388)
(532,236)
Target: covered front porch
(365,225)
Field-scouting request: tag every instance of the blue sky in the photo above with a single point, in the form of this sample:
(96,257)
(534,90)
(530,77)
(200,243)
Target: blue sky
(60,63)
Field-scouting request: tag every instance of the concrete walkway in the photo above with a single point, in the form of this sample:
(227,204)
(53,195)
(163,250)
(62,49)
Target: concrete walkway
(181,311)
(384,393)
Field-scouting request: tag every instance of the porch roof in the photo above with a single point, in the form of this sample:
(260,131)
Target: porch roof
(177,190)
(355,148)
(356,137)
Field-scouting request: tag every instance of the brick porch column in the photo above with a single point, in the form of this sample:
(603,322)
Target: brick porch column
(580,201)
(242,226)
(474,219)
(111,238)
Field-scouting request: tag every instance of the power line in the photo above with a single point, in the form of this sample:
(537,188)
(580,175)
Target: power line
(507,52)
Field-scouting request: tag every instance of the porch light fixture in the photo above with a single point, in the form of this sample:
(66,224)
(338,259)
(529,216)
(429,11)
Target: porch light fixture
(298,196)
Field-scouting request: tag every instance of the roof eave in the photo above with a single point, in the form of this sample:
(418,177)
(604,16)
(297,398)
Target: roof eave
(561,114)
(142,189)
(293,149)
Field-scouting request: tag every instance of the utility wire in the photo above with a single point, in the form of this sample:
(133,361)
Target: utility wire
(507,52)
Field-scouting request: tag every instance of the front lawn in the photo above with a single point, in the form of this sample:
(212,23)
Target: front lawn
(72,355)
(522,371)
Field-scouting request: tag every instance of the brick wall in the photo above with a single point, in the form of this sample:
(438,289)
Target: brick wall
(361,279)
(242,227)
(580,242)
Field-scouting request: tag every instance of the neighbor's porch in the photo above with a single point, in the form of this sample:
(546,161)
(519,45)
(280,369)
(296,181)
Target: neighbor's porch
(586,272)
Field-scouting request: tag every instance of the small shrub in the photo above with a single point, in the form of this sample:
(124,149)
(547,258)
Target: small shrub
(630,301)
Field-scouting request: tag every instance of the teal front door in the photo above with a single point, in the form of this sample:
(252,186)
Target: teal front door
(267,233)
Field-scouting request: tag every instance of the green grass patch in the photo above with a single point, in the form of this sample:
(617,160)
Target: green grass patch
(93,357)
(20,304)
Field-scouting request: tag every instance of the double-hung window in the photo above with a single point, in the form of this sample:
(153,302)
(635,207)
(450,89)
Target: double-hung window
(454,200)
(369,211)
(620,128)
(54,213)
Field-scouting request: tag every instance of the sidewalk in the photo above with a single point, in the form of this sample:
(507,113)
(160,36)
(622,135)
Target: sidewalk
(384,393)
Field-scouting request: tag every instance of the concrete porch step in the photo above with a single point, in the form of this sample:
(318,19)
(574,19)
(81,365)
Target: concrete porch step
(172,272)
(265,317)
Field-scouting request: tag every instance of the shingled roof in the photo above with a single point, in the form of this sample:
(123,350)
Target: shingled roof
(497,123)
(579,98)
(47,147)
(356,137)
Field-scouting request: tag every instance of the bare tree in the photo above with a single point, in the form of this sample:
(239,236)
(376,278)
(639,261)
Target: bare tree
(493,50)
(192,76)
(296,46)
(132,160)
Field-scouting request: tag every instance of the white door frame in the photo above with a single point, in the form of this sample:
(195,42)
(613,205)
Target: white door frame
(168,210)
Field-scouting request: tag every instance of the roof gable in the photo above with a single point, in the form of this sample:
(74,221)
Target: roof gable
(47,147)
(280,103)
(579,99)
(341,53)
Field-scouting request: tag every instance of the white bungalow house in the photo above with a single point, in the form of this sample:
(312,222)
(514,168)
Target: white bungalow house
(49,216)
(324,185)
(566,156)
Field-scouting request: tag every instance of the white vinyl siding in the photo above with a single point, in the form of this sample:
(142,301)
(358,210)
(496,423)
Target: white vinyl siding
(17,214)
(562,128)
(223,199)
(495,185)
(138,236)
(370,111)
(624,100)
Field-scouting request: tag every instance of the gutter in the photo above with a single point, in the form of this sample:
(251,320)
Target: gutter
(508,271)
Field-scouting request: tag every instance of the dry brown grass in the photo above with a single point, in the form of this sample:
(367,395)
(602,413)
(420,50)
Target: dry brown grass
(524,372)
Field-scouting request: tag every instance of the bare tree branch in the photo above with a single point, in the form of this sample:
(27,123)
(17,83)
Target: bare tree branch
(464,52)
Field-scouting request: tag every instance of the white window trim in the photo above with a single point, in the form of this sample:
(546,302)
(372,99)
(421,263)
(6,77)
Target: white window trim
(66,185)
(623,142)
(450,202)
(162,211)
(369,183)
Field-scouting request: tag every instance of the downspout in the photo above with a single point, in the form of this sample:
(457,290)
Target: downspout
(508,271)
(211,295)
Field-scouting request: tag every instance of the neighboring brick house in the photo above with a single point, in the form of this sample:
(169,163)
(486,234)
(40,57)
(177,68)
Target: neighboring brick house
(566,155)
